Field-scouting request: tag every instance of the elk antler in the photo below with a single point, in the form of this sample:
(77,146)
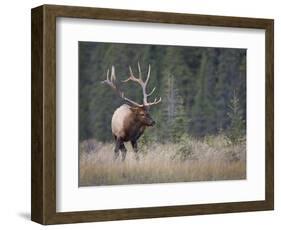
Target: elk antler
(143,84)
(111,83)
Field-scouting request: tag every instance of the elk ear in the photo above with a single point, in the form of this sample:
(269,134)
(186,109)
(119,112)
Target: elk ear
(146,108)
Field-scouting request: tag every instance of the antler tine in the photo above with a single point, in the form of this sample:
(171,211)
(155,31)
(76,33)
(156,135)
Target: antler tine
(107,78)
(111,83)
(113,77)
(140,76)
(148,75)
(133,78)
(130,101)
(152,91)
(131,75)
(154,102)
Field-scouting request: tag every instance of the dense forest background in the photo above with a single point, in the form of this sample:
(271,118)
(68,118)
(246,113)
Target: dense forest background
(203,89)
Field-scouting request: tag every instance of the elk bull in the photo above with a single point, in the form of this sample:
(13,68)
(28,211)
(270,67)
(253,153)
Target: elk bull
(130,120)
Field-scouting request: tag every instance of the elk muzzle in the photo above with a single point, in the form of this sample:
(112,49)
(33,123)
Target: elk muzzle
(151,123)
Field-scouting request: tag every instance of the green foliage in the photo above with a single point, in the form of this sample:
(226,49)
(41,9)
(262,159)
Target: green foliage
(173,111)
(144,143)
(184,148)
(195,84)
(236,129)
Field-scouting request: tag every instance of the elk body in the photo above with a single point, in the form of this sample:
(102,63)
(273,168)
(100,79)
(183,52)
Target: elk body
(130,120)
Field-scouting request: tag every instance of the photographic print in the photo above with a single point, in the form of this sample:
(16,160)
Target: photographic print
(168,101)
(160,114)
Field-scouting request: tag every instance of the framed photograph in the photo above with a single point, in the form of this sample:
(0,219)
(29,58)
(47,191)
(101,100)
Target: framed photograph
(140,114)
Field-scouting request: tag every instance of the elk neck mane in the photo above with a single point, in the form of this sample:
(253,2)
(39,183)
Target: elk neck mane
(125,124)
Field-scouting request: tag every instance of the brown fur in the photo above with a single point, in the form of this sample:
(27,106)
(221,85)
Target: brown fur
(128,124)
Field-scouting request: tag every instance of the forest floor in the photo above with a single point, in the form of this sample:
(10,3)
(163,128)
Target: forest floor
(208,159)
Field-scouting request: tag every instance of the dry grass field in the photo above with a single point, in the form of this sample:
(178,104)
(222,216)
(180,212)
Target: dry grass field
(212,158)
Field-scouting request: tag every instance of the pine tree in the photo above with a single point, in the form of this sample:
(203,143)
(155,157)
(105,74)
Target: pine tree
(173,113)
(229,77)
(236,128)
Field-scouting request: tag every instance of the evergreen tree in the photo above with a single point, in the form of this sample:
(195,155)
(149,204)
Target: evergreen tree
(173,114)
(236,128)
(228,78)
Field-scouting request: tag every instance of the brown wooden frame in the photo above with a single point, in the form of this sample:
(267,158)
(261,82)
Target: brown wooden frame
(43,160)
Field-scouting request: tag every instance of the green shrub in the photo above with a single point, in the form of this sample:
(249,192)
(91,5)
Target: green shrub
(184,148)
(236,129)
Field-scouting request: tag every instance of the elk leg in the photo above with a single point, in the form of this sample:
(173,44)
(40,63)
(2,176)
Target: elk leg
(123,150)
(117,148)
(135,148)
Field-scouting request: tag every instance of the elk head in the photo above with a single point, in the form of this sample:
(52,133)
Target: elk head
(142,115)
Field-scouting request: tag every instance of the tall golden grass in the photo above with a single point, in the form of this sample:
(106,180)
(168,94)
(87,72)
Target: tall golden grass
(212,158)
